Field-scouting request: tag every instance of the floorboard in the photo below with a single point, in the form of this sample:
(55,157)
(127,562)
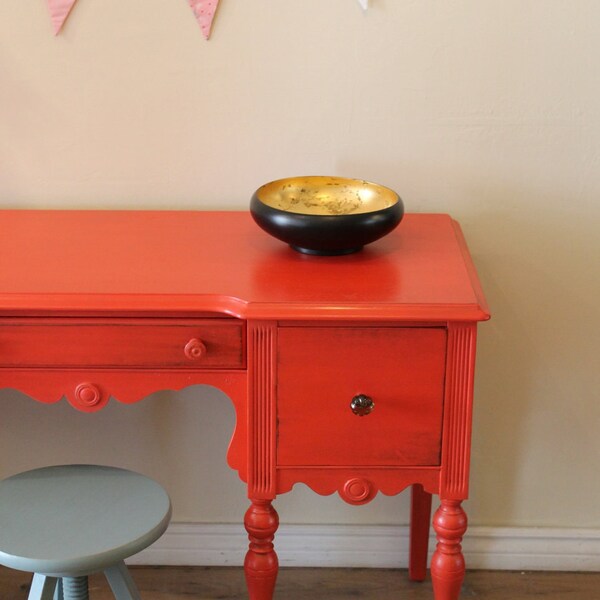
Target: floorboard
(220,583)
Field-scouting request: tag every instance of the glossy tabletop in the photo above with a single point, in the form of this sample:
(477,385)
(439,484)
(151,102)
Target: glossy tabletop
(120,261)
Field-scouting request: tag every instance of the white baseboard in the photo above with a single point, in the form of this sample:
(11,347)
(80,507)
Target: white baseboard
(523,549)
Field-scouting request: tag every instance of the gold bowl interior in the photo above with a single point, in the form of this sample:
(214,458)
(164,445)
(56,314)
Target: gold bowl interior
(318,195)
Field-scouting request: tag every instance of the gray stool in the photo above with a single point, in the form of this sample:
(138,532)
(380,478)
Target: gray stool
(64,523)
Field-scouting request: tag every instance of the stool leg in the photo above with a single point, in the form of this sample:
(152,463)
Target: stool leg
(75,588)
(121,583)
(58,592)
(42,587)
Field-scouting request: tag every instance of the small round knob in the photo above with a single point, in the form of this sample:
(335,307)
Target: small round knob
(88,394)
(362,405)
(357,491)
(194,349)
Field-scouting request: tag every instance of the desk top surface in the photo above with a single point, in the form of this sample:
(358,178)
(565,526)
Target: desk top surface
(184,262)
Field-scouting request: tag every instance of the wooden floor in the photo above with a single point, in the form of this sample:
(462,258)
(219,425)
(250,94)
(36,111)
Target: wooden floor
(218,583)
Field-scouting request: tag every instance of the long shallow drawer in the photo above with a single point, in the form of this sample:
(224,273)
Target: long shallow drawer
(143,343)
(324,373)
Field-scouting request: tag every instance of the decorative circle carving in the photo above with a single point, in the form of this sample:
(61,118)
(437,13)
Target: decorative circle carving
(195,349)
(88,394)
(357,490)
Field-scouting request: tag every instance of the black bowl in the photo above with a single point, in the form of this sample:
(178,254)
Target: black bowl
(326,215)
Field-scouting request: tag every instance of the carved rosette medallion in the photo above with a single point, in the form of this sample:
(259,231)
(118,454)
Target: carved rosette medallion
(358,490)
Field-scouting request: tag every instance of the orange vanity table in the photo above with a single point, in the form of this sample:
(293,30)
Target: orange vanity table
(351,374)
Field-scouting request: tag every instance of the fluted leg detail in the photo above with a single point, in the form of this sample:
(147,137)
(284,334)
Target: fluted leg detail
(261,564)
(448,563)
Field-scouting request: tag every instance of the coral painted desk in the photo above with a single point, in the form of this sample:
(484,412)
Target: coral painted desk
(351,374)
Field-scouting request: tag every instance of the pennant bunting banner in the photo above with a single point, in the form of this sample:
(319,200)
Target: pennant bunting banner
(204,10)
(59,11)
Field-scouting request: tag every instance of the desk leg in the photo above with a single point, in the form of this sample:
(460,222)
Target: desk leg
(420,516)
(261,565)
(448,562)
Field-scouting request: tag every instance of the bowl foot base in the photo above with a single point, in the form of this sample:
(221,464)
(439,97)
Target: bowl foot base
(326,252)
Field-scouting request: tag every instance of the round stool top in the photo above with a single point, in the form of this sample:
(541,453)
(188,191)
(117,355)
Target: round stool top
(77,519)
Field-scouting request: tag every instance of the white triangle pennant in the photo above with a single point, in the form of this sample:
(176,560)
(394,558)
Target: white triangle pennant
(59,11)
(204,10)
(364,4)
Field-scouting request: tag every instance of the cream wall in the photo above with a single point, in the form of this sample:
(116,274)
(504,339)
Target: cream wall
(488,110)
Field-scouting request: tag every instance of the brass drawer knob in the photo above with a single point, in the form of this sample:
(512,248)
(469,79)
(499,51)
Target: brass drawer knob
(362,405)
(194,349)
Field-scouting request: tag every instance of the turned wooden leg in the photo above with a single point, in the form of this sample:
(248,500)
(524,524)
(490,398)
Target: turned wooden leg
(420,515)
(261,565)
(448,563)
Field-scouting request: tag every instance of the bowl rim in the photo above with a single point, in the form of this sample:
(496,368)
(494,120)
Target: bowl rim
(397,199)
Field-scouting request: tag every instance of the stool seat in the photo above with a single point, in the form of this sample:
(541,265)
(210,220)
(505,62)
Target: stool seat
(71,520)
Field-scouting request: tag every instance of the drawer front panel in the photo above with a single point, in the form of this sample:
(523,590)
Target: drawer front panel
(320,371)
(119,343)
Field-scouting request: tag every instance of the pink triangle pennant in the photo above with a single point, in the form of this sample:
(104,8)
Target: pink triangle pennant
(204,10)
(59,11)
